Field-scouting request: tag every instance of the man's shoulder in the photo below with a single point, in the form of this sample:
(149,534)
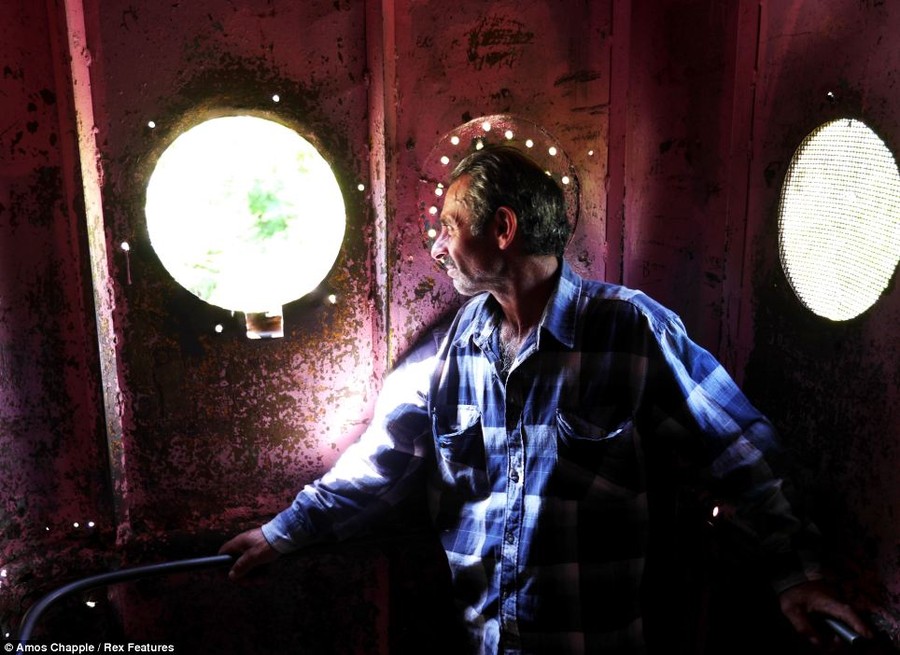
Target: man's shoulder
(573,285)
(598,291)
(609,298)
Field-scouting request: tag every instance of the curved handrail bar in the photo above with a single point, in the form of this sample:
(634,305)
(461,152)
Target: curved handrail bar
(123,575)
(843,631)
(133,573)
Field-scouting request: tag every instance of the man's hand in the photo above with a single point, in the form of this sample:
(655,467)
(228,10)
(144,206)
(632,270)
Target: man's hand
(798,603)
(251,550)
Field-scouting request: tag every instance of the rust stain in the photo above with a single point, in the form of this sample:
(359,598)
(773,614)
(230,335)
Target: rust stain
(497,42)
(424,288)
(578,77)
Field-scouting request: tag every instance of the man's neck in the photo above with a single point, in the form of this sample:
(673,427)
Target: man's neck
(526,295)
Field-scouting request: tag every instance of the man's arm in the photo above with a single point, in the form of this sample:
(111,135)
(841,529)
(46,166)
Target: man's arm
(372,475)
(745,470)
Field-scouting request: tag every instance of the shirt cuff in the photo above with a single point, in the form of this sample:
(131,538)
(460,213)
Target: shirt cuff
(285,533)
(810,573)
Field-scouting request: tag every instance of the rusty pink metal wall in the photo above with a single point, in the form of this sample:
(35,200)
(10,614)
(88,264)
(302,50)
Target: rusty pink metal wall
(833,388)
(240,421)
(218,431)
(686,159)
(55,502)
(679,117)
(548,64)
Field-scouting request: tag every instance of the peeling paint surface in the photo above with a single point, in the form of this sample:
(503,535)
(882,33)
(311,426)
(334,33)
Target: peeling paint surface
(216,418)
(679,224)
(832,388)
(54,498)
(549,66)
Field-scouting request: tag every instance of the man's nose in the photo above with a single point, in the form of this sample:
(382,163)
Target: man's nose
(439,247)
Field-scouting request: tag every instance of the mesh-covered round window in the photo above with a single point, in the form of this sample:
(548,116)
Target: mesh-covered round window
(246,214)
(839,219)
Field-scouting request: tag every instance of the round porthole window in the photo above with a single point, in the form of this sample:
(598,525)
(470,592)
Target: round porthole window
(246,214)
(839,219)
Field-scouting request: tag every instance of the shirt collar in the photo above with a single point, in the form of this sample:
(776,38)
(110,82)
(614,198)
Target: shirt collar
(561,312)
(559,317)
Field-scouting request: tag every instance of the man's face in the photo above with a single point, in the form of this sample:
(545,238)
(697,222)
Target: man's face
(473,263)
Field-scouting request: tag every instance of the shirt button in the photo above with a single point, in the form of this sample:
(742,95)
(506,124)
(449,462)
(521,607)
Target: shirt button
(514,475)
(510,538)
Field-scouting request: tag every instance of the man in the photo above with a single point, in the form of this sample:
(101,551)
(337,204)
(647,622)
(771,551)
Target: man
(541,422)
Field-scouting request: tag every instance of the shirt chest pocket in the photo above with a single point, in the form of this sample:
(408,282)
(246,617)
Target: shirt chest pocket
(597,459)
(459,450)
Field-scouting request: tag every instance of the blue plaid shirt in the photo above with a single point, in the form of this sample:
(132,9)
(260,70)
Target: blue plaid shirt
(539,480)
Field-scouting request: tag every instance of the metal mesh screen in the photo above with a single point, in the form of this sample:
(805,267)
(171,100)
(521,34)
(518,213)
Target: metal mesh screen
(839,219)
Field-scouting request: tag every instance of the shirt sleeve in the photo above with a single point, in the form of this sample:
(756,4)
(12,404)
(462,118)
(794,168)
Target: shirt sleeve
(374,473)
(742,465)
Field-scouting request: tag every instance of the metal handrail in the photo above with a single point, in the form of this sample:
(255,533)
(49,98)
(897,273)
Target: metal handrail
(31,617)
(843,630)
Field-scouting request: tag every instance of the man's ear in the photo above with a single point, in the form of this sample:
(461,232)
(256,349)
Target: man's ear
(506,224)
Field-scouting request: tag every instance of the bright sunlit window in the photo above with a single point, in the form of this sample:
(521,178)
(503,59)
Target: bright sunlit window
(245,213)
(839,219)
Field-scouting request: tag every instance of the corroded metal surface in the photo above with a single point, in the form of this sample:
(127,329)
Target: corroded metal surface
(54,497)
(548,65)
(832,388)
(215,418)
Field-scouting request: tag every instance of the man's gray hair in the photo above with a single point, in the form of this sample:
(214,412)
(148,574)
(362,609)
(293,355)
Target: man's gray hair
(502,176)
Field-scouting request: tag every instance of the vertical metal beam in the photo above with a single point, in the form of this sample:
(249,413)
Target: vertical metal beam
(381,63)
(620,58)
(735,333)
(380,53)
(79,56)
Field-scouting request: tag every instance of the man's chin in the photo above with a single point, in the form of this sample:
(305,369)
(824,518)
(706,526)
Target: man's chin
(464,290)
